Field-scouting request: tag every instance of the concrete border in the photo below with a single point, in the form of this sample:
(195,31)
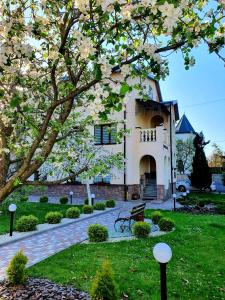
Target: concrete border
(60,225)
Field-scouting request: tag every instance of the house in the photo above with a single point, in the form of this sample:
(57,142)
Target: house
(184,129)
(149,149)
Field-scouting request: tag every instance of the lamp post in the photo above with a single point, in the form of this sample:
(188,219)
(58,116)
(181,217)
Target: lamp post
(188,192)
(184,195)
(162,254)
(12,209)
(71,197)
(92,199)
(174,201)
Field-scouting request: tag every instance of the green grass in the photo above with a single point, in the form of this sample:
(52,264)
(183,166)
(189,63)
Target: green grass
(31,208)
(214,198)
(196,271)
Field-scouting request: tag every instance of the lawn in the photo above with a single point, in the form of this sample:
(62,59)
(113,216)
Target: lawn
(31,208)
(196,271)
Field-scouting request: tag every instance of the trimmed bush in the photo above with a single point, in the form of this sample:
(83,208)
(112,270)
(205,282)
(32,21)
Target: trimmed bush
(166,224)
(97,233)
(16,271)
(141,229)
(53,217)
(86,201)
(88,209)
(24,198)
(104,286)
(26,223)
(73,212)
(99,206)
(43,199)
(110,203)
(64,200)
(156,216)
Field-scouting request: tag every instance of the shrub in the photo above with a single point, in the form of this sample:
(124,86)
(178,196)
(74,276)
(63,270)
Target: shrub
(73,212)
(103,285)
(166,224)
(99,206)
(43,199)
(16,270)
(64,200)
(141,229)
(53,217)
(110,203)
(24,198)
(26,223)
(156,216)
(86,202)
(97,233)
(87,209)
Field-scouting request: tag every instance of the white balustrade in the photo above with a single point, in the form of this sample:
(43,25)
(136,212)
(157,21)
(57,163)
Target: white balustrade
(148,135)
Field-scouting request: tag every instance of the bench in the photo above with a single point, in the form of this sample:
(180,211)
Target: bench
(136,214)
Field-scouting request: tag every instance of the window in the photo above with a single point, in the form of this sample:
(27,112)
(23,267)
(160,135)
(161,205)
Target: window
(105,134)
(101,179)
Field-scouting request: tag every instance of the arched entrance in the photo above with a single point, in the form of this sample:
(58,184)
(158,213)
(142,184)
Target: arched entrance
(148,177)
(156,121)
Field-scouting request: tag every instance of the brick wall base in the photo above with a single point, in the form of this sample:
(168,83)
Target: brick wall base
(112,191)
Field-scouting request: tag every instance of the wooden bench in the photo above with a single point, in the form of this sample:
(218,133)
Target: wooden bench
(136,214)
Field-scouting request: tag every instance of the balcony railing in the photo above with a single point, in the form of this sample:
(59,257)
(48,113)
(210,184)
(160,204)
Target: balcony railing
(148,135)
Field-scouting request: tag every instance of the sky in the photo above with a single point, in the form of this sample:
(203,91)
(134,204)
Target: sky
(200,92)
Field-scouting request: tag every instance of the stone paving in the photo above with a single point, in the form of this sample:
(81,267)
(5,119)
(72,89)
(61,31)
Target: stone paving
(45,244)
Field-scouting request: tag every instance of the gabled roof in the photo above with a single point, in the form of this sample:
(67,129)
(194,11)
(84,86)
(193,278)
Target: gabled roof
(184,126)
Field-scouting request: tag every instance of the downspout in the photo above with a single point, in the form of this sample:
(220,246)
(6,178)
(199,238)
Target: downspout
(125,154)
(171,151)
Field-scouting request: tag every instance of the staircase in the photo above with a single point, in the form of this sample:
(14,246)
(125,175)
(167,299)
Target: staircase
(150,190)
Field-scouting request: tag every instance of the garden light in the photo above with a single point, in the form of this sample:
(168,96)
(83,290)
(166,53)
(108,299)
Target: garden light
(71,197)
(162,254)
(92,199)
(174,201)
(12,208)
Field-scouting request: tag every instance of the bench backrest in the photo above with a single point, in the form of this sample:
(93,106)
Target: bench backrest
(139,209)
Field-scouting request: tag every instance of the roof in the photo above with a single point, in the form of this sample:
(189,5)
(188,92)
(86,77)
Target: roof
(173,103)
(184,126)
(153,105)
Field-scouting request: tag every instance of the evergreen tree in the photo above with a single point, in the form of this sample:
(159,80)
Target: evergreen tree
(200,177)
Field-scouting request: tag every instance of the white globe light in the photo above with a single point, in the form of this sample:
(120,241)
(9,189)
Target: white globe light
(12,207)
(188,192)
(162,253)
(71,193)
(184,194)
(92,195)
(174,195)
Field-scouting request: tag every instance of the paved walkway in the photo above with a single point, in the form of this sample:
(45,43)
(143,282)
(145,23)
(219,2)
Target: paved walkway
(45,244)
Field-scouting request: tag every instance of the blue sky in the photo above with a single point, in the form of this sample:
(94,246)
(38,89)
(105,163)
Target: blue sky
(205,82)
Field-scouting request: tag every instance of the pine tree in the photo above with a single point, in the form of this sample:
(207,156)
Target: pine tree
(104,286)
(200,177)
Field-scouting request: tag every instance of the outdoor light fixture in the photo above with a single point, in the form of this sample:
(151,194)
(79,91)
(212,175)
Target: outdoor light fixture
(174,201)
(12,208)
(92,199)
(162,254)
(184,195)
(71,197)
(188,192)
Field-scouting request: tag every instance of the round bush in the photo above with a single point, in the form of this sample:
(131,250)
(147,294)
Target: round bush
(24,198)
(26,223)
(43,199)
(141,229)
(53,217)
(156,216)
(88,209)
(73,212)
(166,224)
(97,233)
(110,203)
(99,206)
(64,200)
(86,201)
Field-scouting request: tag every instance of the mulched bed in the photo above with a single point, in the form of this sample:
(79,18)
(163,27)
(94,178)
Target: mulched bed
(40,289)
(197,210)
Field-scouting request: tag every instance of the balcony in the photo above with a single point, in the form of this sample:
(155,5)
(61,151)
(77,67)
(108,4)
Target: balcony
(148,135)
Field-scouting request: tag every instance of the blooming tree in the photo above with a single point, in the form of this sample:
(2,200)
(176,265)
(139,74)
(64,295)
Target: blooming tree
(56,63)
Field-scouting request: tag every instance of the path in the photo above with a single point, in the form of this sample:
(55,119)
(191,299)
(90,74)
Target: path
(45,244)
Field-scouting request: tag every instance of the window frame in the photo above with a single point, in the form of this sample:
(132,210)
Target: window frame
(109,125)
